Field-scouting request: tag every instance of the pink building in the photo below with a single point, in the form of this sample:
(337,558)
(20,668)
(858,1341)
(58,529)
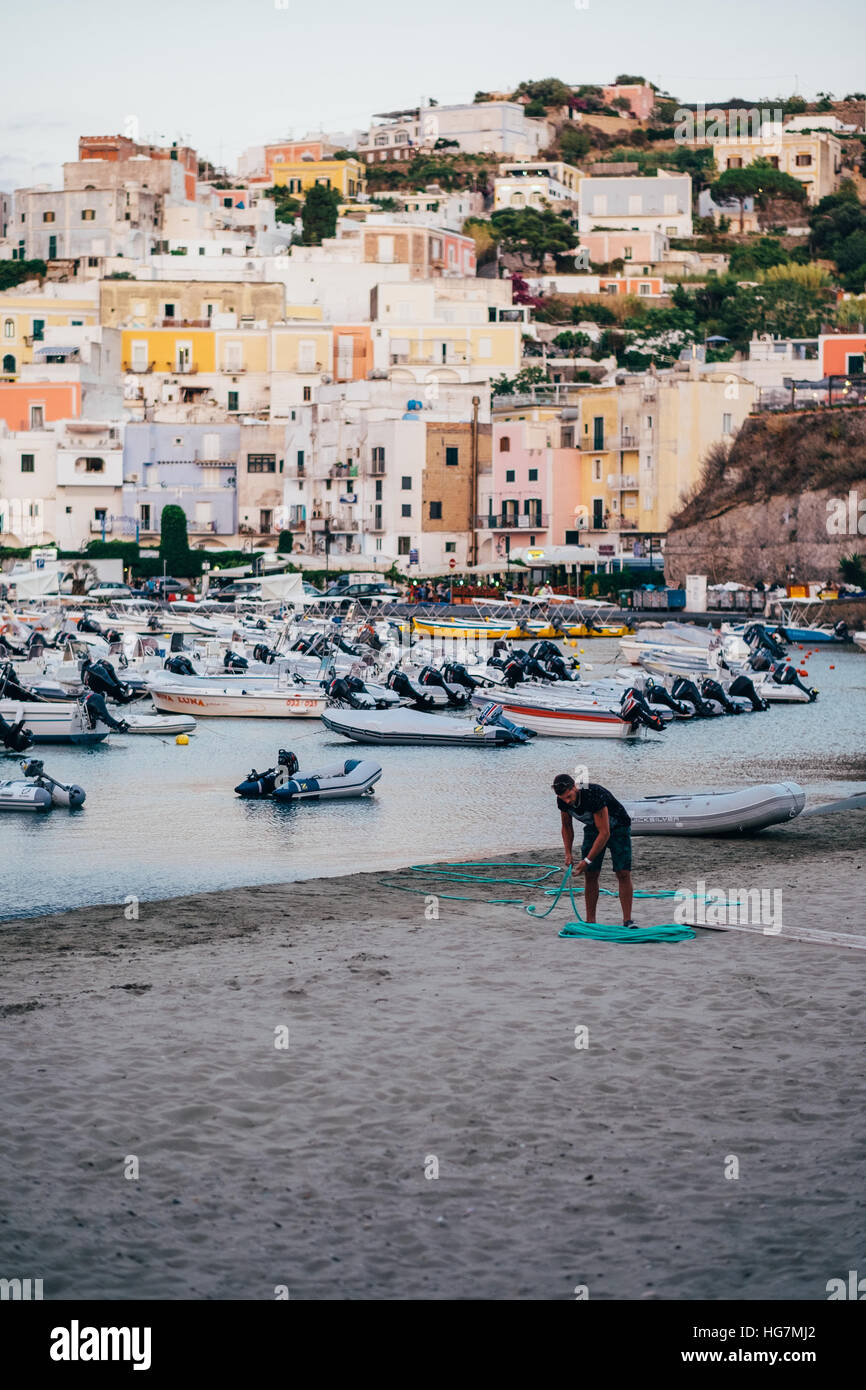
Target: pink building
(639,95)
(639,247)
(532,494)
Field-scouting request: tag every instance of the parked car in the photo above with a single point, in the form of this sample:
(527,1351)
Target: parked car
(166,585)
(110,589)
(362,591)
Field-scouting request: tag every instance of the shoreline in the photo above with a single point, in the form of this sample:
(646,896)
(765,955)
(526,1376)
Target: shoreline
(413,1039)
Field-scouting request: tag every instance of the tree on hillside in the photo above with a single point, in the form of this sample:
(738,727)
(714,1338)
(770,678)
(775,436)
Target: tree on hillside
(14,272)
(761,181)
(319,214)
(286,208)
(625,80)
(532,235)
(574,143)
(549,91)
(484,234)
(838,233)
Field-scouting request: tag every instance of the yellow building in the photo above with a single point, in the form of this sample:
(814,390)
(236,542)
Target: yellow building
(454,351)
(344,175)
(168,350)
(24,319)
(813,158)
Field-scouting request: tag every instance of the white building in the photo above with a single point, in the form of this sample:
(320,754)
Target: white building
(659,204)
(535,184)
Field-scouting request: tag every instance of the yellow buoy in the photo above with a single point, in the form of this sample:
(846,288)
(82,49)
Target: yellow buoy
(182,739)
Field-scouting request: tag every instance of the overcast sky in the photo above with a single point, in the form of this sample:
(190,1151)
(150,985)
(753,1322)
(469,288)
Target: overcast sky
(224,74)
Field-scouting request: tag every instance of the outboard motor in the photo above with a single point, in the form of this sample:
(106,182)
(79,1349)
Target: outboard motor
(759,661)
(557,668)
(14,736)
(233,663)
(758,638)
(686,690)
(660,695)
(102,677)
(176,642)
(841,630)
(369,637)
(635,709)
(179,665)
(428,675)
(742,686)
(62,793)
(784,674)
(257,784)
(97,713)
(88,624)
(543,651)
(493,714)
(456,674)
(400,683)
(712,690)
(340,689)
(262,652)
(514,671)
(534,668)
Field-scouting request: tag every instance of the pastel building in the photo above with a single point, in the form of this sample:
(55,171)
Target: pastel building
(640,97)
(188,465)
(26,320)
(346,176)
(535,184)
(28,486)
(842,354)
(659,204)
(812,157)
(89,480)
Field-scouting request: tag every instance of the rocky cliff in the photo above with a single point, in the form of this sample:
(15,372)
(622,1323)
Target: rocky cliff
(790,494)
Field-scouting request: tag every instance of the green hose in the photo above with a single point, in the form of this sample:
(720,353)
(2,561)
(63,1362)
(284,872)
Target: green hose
(594,931)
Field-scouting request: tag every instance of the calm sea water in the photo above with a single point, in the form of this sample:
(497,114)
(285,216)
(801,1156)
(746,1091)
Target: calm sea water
(162,820)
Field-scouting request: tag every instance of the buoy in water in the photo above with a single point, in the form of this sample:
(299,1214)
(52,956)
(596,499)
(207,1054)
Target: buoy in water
(182,739)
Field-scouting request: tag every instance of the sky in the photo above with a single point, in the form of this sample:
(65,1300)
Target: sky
(225,74)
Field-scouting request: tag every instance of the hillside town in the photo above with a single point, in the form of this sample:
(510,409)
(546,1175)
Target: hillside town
(430,347)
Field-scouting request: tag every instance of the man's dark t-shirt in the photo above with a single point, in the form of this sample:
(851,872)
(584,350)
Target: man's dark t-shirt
(593,798)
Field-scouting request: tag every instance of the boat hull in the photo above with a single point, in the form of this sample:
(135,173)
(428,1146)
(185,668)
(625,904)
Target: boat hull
(409,727)
(52,722)
(566,721)
(207,703)
(717,812)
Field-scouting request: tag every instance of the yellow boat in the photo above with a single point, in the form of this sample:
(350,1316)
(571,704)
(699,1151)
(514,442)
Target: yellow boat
(603,630)
(467,629)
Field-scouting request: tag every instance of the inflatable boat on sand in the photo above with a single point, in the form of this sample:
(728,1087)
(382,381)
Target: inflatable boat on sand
(716,812)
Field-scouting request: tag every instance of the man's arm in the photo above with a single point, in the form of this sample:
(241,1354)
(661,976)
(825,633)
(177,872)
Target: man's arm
(602,825)
(567,835)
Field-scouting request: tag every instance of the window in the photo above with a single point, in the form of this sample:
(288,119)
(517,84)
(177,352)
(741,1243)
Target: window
(88,214)
(308,393)
(385,250)
(726,424)
(404,545)
(38,330)
(28,463)
(644,288)
(567,437)
(533,475)
(168,311)
(803,161)
(598,432)
(635,204)
(596,470)
(452,457)
(510,475)
(735,162)
(9,328)
(48,217)
(379,490)
(649,422)
(626,253)
(37,417)
(379,454)
(435,511)
(406,509)
(144,516)
(854,363)
(261,463)
(233,357)
(405,482)
(450,547)
(9,367)
(307,355)
(52,248)
(139,359)
(324,181)
(233,401)
(300,460)
(505,445)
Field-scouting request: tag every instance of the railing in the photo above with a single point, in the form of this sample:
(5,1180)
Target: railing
(507,521)
(374,470)
(349,470)
(622,441)
(588,445)
(298,523)
(622,481)
(201,528)
(186,323)
(430,359)
(97,527)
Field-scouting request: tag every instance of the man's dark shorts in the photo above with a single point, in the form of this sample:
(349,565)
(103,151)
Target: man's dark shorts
(619,845)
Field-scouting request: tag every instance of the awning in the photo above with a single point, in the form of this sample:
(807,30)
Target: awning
(53,350)
(544,556)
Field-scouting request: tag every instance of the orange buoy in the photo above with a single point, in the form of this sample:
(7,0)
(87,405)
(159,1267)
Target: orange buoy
(832,667)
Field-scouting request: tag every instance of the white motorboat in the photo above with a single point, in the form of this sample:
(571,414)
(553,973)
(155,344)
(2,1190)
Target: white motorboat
(685,641)
(859,640)
(716,812)
(53,722)
(409,726)
(165,724)
(230,701)
(576,717)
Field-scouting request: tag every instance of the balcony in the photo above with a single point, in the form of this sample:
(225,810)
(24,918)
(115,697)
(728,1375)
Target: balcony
(346,470)
(185,323)
(622,482)
(590,445)
(337,525)
(622,441)
(374,470)
(297,523)
(97,527)
(506,521)
(201,528)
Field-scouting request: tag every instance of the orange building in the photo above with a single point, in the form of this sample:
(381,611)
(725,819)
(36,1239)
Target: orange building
(843,354)
(31,405)
(353,351)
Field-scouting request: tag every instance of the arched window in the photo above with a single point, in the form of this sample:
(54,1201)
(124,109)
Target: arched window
(9,364)
(504,444)
(9,328)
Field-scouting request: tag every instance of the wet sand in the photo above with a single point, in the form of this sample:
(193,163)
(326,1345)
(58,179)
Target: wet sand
(417,1043)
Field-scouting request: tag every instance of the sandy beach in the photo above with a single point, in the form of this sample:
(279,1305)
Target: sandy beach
(416,1043)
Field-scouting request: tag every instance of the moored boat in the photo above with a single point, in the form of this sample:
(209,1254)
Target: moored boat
(716,812)
(238,702)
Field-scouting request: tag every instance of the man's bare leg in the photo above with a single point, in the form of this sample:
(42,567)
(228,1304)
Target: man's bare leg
(591,894)
(626,892)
